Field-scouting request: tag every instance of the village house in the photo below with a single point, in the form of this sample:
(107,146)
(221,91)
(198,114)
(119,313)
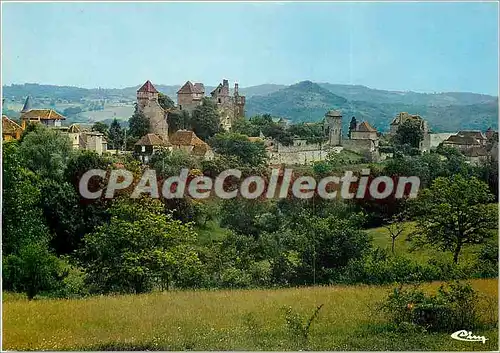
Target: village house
(148,145)
(83,139)
(187,141)
(465,140)
(10,129)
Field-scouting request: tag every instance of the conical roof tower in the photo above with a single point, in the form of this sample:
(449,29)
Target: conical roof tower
(27,105)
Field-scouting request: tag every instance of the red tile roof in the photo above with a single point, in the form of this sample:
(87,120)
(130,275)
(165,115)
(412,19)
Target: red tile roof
(42,114)
(186,138)
(151,140)
(148,87)
(189,88)
(9,126)
(366,127)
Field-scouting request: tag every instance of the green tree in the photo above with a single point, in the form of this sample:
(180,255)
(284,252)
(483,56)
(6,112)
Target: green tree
(46,152)
(454,212)
(138,125)
(409,133)
(32,270)
(139,248)
(116,135)
(165,101)
(178,120)
(169,163)
(205,119)
(101,127)
(248,217)
(22,218)
(232,144)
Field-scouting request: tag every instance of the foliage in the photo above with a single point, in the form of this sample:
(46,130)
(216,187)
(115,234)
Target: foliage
(232,144)
(22,218)
(140,248)
(297,326)
(116,135)
(101,127)
(409,133)
(453,213)
(453,307)
(46,152)
(138,124)
(205,119)
(178,120)
(31,270)
(169,163)
(312,132)
(165,101)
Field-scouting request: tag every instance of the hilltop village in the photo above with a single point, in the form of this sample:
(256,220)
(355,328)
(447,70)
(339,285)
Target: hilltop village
(361,138)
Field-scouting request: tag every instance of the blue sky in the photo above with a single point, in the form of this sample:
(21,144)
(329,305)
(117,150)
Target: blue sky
(428,47)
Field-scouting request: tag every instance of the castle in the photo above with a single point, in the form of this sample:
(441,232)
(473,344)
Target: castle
(147,103)
(362,139)
(230,107)
(190,96)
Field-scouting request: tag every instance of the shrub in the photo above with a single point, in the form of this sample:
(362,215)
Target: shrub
(377,267)
(486,265)
(451,308)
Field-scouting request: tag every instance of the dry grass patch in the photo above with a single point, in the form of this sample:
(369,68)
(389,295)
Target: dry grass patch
(216,320)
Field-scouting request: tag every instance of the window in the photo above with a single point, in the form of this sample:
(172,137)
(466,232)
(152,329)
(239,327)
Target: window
(143,148)
(218,100)
(180,107)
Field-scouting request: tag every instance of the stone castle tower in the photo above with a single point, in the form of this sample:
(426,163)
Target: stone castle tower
(147,103)
(230,106)
(333,127)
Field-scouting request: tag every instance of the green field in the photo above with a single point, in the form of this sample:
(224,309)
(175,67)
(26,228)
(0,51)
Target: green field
(251,319)
(225,320)
(381,238)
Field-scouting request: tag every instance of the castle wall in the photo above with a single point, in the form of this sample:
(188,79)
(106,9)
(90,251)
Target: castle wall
(364,135)
(298,157)
(359,146)
(189,102)
(157,118)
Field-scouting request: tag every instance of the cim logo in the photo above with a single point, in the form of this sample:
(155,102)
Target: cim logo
(464,335)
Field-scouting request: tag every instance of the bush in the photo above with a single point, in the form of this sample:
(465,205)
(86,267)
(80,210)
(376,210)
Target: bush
(452,308)
(33,270)
(377,267)
(486,265)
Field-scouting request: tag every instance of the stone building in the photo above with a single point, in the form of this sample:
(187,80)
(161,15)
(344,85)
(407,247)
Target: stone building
(187,141)
(363,138)
(465,140)
(230,106)
(148,145)
(83,139)
(190,96)
(147,103)
(333,127)
(48,117)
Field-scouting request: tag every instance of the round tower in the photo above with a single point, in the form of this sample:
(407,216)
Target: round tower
(333,125)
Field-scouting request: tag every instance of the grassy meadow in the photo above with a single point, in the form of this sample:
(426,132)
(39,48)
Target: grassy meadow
(226,320)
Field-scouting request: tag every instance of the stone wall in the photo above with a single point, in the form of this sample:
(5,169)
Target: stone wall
(157,118)
(364,135)
(359,146)
(298,157)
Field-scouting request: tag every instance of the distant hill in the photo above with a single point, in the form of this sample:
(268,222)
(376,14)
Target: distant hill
(304,101)
(308,101)
(363,93)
